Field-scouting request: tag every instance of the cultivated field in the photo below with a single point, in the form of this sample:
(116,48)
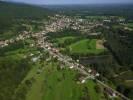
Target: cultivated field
(53,84)
(85,46)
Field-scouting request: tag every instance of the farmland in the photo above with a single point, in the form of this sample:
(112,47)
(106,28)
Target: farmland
(85,46)
(79,45)
(56,84)
(53,55)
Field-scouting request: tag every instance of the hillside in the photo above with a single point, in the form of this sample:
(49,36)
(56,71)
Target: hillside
(17,10)
(11,13)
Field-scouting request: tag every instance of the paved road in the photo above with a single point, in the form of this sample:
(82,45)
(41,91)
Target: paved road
(62,59)
(75,65)
(116,92)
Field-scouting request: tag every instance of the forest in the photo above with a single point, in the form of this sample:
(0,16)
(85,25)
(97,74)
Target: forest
(13,15)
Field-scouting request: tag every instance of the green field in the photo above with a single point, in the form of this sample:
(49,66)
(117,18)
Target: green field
(50,83)
(85,46)
(53,84)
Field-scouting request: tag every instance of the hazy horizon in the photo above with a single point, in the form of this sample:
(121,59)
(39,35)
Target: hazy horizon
(69,2)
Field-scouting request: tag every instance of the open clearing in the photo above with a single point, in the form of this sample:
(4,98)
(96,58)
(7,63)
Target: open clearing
(99,44)
(85,46)
(53,84)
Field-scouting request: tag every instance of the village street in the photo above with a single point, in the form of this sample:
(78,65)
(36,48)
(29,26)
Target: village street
(42,42)
(75,65)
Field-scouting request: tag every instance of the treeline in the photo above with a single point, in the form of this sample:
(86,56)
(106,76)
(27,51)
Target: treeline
(63,33)
(12,72)
(120,41)
(11,47)
(13,69)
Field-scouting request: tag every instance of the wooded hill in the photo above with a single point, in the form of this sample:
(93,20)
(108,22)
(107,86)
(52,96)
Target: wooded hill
(10,12)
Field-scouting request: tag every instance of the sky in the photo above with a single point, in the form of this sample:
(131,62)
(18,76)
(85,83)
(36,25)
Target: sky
(72,1)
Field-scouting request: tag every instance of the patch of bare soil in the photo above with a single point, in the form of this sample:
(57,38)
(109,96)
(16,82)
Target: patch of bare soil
(99,44)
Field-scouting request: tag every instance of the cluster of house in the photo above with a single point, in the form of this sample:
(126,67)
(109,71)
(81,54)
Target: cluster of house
(59,22)
(22,36)
(114,19)
(49,47)
(110,92)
